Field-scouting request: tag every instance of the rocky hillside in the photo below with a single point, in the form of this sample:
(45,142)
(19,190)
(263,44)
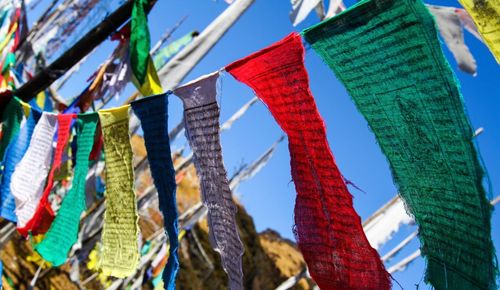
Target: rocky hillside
(268,260)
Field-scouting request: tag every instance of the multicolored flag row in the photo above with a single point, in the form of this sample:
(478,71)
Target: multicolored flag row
(415,110)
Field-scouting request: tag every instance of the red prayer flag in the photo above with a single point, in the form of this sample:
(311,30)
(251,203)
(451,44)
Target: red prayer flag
(328,230)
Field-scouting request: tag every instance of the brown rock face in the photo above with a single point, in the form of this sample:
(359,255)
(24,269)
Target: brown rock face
(268,261)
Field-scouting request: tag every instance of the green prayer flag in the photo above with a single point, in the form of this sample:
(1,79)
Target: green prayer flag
(144,77)
(139,41)
(10,61)
(387,54)
(63,232)
(11,121)
(164,54)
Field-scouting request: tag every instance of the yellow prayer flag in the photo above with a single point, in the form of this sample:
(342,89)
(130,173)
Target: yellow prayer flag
(120,251)
(486,15)
(152,84)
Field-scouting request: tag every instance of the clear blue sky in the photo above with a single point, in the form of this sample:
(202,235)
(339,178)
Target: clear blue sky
(269,197)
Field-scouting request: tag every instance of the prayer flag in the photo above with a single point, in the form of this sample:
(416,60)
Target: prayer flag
(380,227)
(387,54)
(201,117)
(450,28)
(13,155)
(165,54)
(302,8)
(328,230)
(63,232)
(486,15)
(30,174)
(120,249)
(11,121)
(44,215)
(144,71)
(153,113)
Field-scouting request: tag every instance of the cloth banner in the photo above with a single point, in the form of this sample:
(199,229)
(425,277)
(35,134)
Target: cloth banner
(153,114)
(11,27)
(201,117)
(14,153)
(11,121)
(144,72)
(450,28)
(328,230)
(44,215)
(42,102)
(30,174)
(151,84)
(161,57)
(120,249)
(5,98)
(336,6)
(302,8)
(486,15)
(387,54)
(63,232)
(467,22)
(380,228)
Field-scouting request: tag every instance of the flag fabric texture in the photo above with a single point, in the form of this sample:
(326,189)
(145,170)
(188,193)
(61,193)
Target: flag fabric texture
(5,98)
(201,116)
(384,223)
(11,121)
(144,73)
(44,215)
(153,114)
(63,232)
(30,174)
(302,8)
(336,6)
(11,26)
(42,102)
(13,155)
(151,84)
(416,112)
(328,230)
(486,15)
(450,28)
(120,249)
(165,54)
(467,22)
